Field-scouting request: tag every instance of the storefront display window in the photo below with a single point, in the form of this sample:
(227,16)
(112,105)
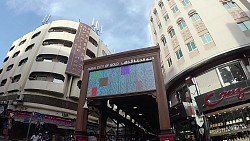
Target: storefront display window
(230,124)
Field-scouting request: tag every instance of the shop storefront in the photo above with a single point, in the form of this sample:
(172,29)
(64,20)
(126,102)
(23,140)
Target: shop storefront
(57,127)
(227,111)
(219,94)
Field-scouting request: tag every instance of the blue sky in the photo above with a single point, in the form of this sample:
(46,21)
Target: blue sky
(125,22)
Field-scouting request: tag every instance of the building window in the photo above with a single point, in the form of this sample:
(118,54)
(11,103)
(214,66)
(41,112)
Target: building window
(35,35)
(159,25)
(175,9)
(244,25)
(15,54)
(169,60)
(195,17)
(52,58)
(151,19)
(58,79)
(79,84)
(9,67)
(161,5)
(179,54)
(93,41)
(90,53)
(57,41)
(62,29)
(229,5)
(163,40)
(171,33)
(185,2)
(50,77)
(3,82)
(22,42)
(191,46)
(16,78)
(182,24)
(166,17)
(29,47)
(206,38)
(5,59)
(155,33)
(231,74)
(1,70)
(12,48)
(23,61)
(155,12)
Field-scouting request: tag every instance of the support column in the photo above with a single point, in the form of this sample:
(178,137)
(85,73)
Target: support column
(102,126)
(166,133)
(82,112)
(81,134)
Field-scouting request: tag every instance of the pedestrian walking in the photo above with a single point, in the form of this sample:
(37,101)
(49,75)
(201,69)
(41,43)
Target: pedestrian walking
(36,137)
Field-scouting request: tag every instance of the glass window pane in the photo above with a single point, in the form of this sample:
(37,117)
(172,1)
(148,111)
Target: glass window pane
(232,73)
(177,55)
(242,27)
(189,47)
(247,24)
(231,4)
(180,52)
(193,45)
(204,40)
(226,6)
(208,37)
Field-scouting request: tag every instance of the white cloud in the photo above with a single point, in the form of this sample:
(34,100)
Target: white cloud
(124,21)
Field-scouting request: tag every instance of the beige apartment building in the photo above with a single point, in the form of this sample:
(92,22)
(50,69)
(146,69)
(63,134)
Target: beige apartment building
(41,76)
(205,61)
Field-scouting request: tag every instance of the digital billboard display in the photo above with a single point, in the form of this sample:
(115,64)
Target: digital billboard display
(121,80)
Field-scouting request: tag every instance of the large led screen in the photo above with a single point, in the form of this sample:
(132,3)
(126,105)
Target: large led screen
(121,80)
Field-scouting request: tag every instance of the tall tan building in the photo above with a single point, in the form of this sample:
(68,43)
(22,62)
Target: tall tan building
(205,58)
(42,74)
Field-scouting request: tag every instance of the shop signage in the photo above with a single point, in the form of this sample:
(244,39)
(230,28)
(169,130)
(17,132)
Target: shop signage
(229,95)
(239,92)
(78,51)
(126,62)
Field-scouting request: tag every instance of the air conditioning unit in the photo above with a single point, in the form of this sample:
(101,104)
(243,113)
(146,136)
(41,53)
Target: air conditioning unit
(19,97)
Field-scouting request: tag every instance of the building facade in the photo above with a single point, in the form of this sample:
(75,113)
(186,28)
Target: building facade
(205,62)
(41,76)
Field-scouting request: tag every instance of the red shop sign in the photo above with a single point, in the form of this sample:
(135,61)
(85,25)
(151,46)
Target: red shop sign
(239,92)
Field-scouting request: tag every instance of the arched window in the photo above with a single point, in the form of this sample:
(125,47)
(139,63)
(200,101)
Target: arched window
(5,59)
(62,29)
(12,48)
(35,35)
(22,42)
(16,54)
(29,47)
(163,40)
(57,41)
(9,67)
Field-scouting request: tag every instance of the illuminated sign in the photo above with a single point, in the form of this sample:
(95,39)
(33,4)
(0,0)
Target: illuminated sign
(78,51)
(229,95)
(238,92)
(121,80)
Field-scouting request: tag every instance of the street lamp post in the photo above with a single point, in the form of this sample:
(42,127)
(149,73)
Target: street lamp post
(28,132)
